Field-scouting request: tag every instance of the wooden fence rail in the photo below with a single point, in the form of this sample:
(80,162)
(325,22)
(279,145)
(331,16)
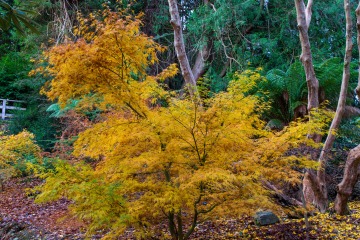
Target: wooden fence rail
(9,105)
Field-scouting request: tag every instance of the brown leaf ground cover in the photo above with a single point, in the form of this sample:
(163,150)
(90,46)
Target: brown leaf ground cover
(21,218)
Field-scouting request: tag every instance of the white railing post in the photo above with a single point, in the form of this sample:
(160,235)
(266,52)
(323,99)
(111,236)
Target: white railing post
(6,106)
(3,112)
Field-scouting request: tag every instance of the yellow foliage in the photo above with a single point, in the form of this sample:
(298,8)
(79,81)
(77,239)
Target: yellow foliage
(329,225)
(111,64)
(15,152)
(181,159)
(162,162)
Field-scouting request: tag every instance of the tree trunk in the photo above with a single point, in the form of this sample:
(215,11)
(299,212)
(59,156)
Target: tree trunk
(180,48)
(199,67)
(358,42)
(345,188)
(172,226)
(315,188)
(339,110)
(303,21)
(351,171)
(351,111)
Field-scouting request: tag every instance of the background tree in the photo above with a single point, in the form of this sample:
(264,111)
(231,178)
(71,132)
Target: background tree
(303,19)
(324,155)
(315,187)
(351,171)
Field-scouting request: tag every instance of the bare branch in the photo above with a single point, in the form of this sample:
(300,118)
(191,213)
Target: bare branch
(308,12)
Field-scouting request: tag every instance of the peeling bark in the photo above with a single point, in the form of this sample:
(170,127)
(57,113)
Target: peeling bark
(313,193)
(351,175)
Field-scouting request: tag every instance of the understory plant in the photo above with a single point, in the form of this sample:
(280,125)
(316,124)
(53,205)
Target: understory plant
(17,152)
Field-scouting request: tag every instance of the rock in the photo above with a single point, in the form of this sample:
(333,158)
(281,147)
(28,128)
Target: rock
(16,231)
(265,218)
(275,124)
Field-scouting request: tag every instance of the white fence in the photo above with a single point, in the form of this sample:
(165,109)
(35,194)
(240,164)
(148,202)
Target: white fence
(9,105)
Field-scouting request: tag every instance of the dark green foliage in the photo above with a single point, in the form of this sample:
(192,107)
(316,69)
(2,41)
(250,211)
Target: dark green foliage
(13,66)
(246,32)
(17,85)
(348,134)
(217,83)
(49,164)
(36,120)
(329,74)
(17,18)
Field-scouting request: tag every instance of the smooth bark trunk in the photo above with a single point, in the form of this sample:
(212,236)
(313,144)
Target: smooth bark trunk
(303,20)
(351,111)
(199,67)
(351,171)
(315,188)
(345,188)
(324,155)
(190,75)
(180,48)
(304,14)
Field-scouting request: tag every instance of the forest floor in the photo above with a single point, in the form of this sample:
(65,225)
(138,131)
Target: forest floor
(21,218)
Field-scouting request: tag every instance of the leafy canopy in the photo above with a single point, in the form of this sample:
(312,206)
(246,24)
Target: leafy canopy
(110,65)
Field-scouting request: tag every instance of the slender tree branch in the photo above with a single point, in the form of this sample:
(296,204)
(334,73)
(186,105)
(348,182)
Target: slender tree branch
(341,103)
(308,12)
(358,43)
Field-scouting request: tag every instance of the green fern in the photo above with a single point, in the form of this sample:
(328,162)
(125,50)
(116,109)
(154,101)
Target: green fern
(329,74)
(288,90)
(58,112)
